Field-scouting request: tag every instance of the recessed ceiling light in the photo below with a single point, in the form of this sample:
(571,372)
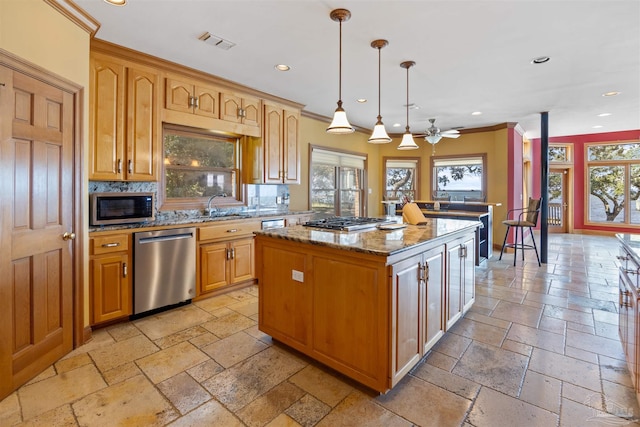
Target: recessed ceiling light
(361,100)
(476,113)
(540,60)
(282,67)
(612,93)
(117,2)
(396,125)
(604,114)
(596,126)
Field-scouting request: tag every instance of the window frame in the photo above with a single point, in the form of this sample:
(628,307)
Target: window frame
(198,203)
(337,197)
(483,180)
(387,159)
(626,164)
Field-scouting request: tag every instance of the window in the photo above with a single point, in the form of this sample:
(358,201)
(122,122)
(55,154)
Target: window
(401,178)
(337,183)
(560,153)
(198,165)
(459,177)
(613,174)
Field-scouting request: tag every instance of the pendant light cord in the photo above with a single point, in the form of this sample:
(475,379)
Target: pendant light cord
(340,69)
(379,85)
(407,128)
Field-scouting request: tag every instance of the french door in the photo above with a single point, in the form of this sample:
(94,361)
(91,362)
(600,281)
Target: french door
(558,205)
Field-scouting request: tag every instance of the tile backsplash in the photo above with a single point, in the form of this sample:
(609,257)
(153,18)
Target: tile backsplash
(259,197)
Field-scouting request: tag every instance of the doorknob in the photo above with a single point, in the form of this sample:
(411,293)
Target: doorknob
(68,236)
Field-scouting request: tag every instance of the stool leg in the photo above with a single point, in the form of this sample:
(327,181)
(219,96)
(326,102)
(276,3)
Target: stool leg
(505,242)
(534,246)
(522,242)
(515,247)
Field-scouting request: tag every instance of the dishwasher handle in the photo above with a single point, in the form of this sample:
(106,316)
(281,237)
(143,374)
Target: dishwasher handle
(145,240)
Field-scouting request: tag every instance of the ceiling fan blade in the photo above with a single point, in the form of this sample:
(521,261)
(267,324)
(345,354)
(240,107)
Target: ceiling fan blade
(450,131)
(449,135)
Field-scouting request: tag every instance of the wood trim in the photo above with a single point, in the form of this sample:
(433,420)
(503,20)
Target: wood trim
(18,64)
(184,72)
(75,14)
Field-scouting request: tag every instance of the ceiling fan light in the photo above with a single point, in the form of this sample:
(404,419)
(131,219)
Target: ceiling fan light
(407,142)
(379,135)
(340,124)
(433,139)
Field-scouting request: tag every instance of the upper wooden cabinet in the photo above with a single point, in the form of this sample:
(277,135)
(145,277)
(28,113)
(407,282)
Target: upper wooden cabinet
(280,139)
(189,97)
(240,109)
(123,120)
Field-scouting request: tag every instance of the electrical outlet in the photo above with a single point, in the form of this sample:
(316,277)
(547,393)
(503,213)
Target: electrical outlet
(298,276)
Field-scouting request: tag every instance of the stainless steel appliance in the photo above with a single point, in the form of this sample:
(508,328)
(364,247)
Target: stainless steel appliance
(272,223)
(347,223)
(164,264)
(121,208)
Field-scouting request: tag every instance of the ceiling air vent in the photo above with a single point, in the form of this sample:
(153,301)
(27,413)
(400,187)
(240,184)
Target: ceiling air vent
(216,41)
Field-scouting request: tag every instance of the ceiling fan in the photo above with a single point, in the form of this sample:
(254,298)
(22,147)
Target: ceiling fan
(433,134)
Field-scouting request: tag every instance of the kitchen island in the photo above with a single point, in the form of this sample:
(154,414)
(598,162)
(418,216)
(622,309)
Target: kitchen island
(369,303)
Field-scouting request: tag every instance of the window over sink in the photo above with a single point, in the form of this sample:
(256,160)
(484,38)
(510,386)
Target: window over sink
(197,165)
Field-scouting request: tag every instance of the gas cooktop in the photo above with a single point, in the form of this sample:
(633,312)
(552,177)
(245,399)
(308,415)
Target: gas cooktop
(347,223)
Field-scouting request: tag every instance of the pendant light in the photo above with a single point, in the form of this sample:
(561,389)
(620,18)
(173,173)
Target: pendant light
(407,142)
(340,124)
(379,135)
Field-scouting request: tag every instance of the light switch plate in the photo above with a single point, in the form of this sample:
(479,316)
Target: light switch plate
(298,276)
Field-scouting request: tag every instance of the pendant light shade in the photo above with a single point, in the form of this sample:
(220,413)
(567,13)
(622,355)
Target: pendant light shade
(379,135)
(407,142)
(340,124)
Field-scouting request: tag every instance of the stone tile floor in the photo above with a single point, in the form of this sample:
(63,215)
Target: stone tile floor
(539,347)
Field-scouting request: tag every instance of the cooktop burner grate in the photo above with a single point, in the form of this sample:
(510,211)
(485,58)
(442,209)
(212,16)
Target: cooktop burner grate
(346,223)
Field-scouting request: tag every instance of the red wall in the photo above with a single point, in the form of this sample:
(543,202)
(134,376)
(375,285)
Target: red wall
(578,142)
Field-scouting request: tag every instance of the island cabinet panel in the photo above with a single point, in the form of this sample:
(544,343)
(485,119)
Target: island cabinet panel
(407,306)
(460,278)
(285,304)
(349,323)
(433,322)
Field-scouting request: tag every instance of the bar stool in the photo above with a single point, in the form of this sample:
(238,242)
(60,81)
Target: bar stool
(527,218)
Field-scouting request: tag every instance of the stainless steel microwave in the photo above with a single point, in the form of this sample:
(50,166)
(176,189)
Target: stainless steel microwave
(121,208)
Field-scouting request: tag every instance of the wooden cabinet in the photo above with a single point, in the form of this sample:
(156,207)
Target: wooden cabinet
(110,289)
(123,120)
(629,313)
(460,278)
(196,98)
(227,256)
(281,151)
(240,108)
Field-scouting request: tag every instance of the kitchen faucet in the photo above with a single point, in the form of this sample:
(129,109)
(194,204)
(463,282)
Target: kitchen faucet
(211,211)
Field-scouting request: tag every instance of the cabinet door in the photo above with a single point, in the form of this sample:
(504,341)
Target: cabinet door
(433,322)
(207,101)
(251,111)
(406,308)
(230,105)
(213,267)
(273,134)
(110,288)
(142,125)
(106,119)
(468,273)
(454,283)
(178,95)
(291,155)
(242,262)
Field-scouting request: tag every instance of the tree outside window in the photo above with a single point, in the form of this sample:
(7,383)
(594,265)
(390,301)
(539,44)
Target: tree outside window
(613,172)
(459,177)
(401,178)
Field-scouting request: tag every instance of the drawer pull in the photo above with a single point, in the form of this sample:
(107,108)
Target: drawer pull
(232,230)
(111,245)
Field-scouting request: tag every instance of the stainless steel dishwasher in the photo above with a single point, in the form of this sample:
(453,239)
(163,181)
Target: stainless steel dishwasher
(164,273)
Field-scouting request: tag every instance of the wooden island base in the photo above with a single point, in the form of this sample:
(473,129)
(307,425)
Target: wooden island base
(357,303)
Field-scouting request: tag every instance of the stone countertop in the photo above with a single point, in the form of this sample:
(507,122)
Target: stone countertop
(632,243)
(446,212)
(198,220)
(373,241)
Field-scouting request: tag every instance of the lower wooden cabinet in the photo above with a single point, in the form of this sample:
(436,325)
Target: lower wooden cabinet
(226,263)
(110,275)
(460,278)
